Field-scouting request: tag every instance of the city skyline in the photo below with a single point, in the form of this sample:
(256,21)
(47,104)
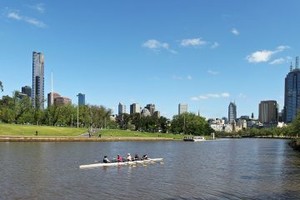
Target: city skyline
(204,53)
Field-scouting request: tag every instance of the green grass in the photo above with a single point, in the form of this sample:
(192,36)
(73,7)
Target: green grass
(127,133)
(30,130)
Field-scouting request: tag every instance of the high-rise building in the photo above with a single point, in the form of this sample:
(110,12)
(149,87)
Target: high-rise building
(135,108)
(151,108)
(26,90)
(231,113)
(268,112)
(51,98)
(121,109)
(182,108)
(37,92)
(81,99)
(60,101)
(292,93)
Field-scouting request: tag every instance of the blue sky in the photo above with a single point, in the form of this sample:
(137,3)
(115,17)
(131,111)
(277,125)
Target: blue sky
(205,53)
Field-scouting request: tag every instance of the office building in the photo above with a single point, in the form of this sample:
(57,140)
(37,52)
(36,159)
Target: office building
(231,113)
(26,90)
(81,99)
(151,108)
(60,101)
(182,108)
(51,97)
(292,94)
(121,109)
(268,112)
(135,108)
(37,92)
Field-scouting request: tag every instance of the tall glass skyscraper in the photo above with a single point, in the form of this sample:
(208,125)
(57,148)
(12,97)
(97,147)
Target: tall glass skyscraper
(231,112)
(37,92)
(81,99)
(292,94)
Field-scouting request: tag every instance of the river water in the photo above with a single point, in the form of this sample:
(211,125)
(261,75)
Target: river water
(224,169)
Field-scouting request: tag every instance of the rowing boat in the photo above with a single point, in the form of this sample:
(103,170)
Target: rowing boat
(149,160)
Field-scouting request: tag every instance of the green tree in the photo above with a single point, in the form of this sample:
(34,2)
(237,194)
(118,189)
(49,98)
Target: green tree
(191,124)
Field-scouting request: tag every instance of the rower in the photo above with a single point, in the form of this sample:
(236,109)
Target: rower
(145,157)
(129,158)
(119,158)
(136,157)
(105,160)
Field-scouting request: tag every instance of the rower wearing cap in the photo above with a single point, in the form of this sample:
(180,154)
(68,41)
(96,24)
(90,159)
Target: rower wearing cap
(129,158)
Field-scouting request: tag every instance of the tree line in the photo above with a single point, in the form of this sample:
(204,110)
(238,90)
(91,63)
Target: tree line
(18,109)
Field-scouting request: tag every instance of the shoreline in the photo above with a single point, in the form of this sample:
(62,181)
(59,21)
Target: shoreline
(8,138)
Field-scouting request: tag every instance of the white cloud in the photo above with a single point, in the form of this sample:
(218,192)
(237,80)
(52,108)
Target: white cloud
(210,96)
(260,56)
(40,8)
(264,55)
(234,31)
(277,61)
(215,45)
(16,16)
(212,72)
(192,42)
(157,45)
(175,77)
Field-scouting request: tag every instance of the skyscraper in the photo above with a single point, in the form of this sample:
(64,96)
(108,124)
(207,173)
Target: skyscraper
(81,99)
(135,108)
(37,92)
(26,90)
(151,108)
(292,93)
(182,108)
(268,112)
(231,112)
(121,109)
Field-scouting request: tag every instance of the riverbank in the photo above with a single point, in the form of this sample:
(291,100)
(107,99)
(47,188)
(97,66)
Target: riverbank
(295,144)
(79,139)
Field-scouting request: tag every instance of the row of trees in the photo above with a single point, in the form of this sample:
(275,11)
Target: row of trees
(18,109)
(187,123)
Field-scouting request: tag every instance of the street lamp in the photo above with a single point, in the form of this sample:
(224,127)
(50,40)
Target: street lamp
(77,114)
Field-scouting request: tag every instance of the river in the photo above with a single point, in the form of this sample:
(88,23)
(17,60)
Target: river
(222,169)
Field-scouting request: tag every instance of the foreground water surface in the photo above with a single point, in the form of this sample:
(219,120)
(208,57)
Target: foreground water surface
(224,169)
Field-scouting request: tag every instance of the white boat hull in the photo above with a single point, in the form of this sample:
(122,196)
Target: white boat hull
(149,160)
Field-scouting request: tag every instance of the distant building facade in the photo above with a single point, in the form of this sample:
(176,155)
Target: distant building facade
(231,113)
(37,92)
(60,101)
(182,108)
(292,94)
(151,108)
(135,108)
(268,112)
(51,97)
(26,90)
(121,109)
(81,99)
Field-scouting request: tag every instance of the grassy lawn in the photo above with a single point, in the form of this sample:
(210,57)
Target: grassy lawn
(127,133)
(30,130)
